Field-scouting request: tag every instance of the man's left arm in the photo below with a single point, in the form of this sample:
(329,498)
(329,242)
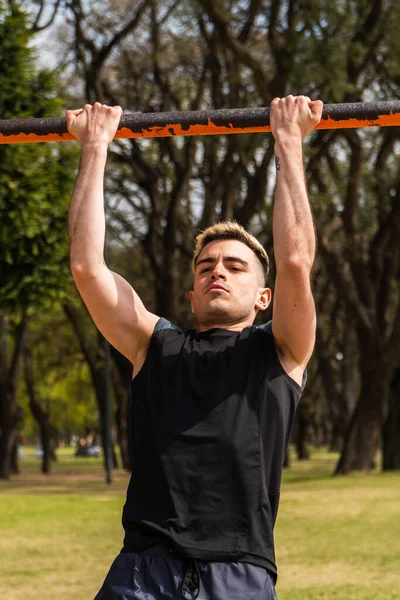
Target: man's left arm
(294,318)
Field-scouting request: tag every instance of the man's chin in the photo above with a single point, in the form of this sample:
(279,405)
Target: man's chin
(221,312)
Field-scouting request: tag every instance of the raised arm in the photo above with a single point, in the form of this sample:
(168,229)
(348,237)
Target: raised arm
(294,319)
(113,305)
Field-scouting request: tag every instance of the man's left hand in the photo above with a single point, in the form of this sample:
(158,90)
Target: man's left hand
(294,116)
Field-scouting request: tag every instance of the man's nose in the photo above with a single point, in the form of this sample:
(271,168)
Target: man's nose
(218,272)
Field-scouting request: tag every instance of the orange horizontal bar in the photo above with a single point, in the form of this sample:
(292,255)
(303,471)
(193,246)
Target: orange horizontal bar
(217,122)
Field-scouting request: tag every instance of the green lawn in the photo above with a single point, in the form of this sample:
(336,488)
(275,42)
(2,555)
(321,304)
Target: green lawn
(336,538)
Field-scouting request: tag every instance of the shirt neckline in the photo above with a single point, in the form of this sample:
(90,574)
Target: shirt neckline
(214,332)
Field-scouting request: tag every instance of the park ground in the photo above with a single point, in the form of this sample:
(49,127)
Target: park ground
(337,538)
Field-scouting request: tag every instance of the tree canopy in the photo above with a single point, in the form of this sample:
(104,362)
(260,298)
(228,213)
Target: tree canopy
(172,55)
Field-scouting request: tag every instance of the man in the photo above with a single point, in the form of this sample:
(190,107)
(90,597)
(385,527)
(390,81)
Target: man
(213,406)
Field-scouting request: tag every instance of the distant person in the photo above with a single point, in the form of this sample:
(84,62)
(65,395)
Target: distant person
(213,406)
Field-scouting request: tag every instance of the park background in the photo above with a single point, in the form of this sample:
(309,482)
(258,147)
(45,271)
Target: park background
(338,531)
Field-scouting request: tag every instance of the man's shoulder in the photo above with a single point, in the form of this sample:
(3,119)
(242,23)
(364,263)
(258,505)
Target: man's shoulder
(164,324)
(265,328)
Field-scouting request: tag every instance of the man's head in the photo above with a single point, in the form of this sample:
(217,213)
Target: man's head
(230,269)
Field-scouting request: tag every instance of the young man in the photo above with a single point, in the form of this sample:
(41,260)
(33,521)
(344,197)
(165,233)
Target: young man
(213,406)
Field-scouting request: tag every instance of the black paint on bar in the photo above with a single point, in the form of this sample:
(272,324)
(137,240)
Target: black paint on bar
(237,117)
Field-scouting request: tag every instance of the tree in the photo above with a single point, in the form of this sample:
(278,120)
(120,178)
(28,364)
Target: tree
(180,56)
(60,377)
(35,183)
(391,430)
(93,353)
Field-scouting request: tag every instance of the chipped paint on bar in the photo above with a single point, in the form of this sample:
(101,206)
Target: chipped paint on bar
(217,122)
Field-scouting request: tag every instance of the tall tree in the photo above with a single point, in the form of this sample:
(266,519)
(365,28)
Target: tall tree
(35,184)
(177,56)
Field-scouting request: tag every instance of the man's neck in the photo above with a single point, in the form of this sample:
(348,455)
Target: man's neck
(239,326)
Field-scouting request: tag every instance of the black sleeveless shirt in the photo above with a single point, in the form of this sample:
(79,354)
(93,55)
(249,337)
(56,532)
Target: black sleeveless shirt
(212,417)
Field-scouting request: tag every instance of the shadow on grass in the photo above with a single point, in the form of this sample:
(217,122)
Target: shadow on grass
(72,476)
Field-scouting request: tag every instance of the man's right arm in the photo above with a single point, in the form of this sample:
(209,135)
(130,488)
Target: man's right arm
(112,303)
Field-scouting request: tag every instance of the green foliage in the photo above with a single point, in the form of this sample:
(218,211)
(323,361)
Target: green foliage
(61,378)
(69,402)
(35,180)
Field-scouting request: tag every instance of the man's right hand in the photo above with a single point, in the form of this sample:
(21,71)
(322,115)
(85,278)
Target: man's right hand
(114,306)
(94,125)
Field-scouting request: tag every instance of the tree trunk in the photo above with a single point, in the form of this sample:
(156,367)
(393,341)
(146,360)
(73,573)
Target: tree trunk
(347,399)
(94,356)
(122,378)
(363,436)
(10,412)
(123,423)
(14,456)
(391,429)
(301,434)
(332,390)
(38,413)
(98,376)
(286,462)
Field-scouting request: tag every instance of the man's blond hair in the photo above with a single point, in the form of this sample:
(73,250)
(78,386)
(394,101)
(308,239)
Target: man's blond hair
(230,230)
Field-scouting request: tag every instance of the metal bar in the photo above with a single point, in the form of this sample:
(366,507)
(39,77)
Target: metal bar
(211,122)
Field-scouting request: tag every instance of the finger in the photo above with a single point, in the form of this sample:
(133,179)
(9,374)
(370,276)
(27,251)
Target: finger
(316,107)
(98,106)
(304,100)
(317,104)
(275,101)
(118,109)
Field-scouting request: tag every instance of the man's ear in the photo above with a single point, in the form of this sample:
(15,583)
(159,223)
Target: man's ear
(264,298)
(191,298)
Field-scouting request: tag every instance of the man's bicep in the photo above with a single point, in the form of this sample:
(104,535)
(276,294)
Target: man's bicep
(116,309)
(294,318)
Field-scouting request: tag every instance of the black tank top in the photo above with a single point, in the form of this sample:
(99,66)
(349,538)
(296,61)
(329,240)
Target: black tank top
(212,417)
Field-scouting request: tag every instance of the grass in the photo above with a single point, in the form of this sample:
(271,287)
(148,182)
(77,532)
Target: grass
(336,538)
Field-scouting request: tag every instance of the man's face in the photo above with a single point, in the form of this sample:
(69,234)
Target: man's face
(228,285)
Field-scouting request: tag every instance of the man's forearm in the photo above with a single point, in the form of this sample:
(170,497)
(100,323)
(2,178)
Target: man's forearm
(86,215)
(293,229)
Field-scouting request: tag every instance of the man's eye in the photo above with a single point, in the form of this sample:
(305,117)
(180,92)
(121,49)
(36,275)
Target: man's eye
(205,270)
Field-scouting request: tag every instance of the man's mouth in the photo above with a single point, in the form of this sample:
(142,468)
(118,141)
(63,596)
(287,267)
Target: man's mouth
(216,286)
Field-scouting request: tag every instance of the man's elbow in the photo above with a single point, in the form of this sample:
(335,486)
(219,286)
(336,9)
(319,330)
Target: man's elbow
(85,269)
(300,264)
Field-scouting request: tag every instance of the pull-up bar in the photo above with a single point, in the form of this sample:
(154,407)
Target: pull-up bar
(207,122)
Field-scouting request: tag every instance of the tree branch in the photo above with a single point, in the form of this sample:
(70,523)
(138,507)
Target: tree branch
(239,49)
(35,27)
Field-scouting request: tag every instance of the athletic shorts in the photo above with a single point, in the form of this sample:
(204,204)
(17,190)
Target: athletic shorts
(157,574)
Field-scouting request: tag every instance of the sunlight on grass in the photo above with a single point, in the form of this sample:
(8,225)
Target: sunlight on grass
(336,538)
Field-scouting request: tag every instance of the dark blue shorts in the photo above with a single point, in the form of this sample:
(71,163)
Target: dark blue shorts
(156,574)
